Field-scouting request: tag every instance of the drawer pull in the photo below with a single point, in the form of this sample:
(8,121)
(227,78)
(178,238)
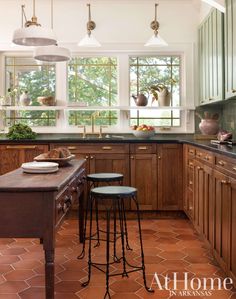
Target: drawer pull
(234,168)
(86,157)
(190,182)
(191,152)
(221,163)
(132,157)
(91,157)
(106,147)
(71,147)
(207,158)
(142,148)
(190,163)
(21,146)
(199,168)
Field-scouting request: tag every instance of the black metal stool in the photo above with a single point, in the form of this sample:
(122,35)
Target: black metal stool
(114,197)
(93,181)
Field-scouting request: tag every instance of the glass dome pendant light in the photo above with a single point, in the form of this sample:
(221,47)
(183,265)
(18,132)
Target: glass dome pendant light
(155,40)
(31,33)
(89,40)
(52,53)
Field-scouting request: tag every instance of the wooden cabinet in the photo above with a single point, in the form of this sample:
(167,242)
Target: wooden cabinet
(230,49)
(211,70)
(232,226)
(102,157)
(143,174)
(188,175)
(203,200)
(170,176)
(12,156)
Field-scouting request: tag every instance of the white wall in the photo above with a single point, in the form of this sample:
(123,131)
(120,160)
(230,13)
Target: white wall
(117,21)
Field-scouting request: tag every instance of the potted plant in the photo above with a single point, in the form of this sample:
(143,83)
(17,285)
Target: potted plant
(161,94)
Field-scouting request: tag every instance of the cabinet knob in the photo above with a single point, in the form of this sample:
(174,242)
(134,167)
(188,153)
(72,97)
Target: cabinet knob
(132,157)
(159,157)
(199,167)
(91,157)
(86,157)
(234,168)
(190,182)
(225,182)
(206,158)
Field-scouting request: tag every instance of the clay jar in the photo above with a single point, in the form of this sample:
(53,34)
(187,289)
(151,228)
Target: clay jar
(209,126)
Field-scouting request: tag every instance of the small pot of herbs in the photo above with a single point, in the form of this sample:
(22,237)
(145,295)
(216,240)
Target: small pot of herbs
(20,131)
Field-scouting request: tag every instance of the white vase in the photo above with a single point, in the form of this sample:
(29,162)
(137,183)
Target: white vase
(25,99)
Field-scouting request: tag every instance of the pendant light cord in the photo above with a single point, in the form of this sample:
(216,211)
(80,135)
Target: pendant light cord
(51,14)
(156,11)
(89,12)
(33,8)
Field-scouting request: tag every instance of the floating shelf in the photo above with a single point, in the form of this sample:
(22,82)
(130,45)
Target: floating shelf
(89,108)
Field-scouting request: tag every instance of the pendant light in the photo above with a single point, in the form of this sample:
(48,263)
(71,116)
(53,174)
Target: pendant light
(31,33)
(52,53)
(155,40)
(89,40)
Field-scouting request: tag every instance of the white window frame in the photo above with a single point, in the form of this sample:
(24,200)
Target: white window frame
(186,51)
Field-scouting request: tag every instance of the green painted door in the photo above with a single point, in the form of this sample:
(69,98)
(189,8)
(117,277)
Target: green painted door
(211,58)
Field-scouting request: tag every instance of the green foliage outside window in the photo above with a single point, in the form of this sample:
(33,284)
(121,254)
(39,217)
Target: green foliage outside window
(92,81)
(152,70)
(25,74)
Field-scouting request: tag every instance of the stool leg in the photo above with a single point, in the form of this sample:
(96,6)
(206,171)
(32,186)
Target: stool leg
(141,245)
(97,224)
(125,223)
(107,294)
(90,243)
(122,237)
(115,258)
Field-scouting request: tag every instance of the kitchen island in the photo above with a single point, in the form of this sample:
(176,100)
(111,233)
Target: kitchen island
(34,206)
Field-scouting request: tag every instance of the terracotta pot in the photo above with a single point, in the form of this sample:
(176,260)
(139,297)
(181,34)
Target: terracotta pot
(209,126)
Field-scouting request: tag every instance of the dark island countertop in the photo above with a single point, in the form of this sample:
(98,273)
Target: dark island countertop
(125,138)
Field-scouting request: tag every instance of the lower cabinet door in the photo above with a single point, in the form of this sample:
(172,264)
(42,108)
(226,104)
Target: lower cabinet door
(143,176)
(221,197)
(170,177)
(232,234)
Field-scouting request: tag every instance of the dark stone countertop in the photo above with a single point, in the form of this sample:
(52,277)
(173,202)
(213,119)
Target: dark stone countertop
(124,138)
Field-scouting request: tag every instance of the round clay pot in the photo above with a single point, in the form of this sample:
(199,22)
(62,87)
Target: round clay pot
(209,126)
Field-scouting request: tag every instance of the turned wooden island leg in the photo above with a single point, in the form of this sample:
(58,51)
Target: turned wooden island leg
(49,273)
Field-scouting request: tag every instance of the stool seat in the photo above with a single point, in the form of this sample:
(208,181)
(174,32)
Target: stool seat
(104,177)
(114,191)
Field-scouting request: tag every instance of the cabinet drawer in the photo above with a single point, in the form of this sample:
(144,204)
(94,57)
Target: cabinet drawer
(143,148)
(95,148)
(205,156)
(226,164)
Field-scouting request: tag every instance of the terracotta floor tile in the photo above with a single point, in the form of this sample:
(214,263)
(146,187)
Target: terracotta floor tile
(12,287)
(18,275)
(169,245)
(33,293)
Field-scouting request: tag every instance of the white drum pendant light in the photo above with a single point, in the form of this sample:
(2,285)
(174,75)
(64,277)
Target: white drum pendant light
(155,40)
(31,33)
(52,53)
(89,40)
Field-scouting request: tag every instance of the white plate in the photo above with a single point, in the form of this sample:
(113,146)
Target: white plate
(40,170)
(40,165)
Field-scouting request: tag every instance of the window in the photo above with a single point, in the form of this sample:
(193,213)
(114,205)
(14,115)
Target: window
(147,71)
(92,81)
(25,74)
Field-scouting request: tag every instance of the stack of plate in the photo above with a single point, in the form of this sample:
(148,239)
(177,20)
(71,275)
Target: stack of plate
(40,167)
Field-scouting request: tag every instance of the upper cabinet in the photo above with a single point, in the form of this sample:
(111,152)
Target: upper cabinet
(230,49)
(211,55)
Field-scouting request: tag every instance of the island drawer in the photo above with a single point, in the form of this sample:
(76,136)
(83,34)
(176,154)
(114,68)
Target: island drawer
(226,164)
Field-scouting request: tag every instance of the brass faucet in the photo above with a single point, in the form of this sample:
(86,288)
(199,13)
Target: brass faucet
(84,131)
(100,131)
(93,117)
